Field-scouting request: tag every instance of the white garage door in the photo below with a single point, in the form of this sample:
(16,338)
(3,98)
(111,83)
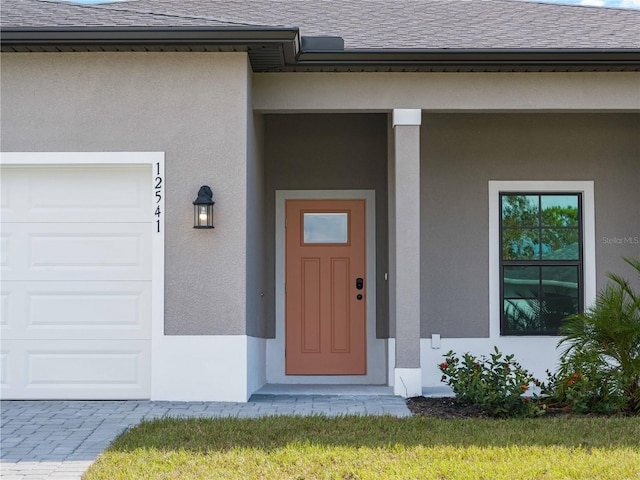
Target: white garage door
(76,282)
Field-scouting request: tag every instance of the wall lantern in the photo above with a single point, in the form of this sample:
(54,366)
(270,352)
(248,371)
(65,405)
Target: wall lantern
(203,208)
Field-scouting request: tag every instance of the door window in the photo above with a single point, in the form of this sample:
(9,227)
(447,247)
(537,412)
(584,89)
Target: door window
(325,227)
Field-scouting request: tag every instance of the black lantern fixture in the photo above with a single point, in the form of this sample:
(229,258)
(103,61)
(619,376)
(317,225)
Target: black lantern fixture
(203,208)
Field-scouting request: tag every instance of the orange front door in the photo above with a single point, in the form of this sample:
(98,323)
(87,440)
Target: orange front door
(325,287)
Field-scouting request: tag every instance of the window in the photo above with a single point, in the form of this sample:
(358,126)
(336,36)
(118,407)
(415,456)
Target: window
(541,261)
(325,228)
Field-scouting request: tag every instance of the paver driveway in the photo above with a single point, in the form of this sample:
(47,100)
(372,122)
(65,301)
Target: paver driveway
(60,439)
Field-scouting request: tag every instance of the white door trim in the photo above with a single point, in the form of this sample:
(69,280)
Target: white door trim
(376,348)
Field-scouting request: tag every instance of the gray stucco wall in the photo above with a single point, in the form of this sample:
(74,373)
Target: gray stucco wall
(326,152)
(193,107)
(408,245)
(446,91)
(462,152)
(255,228)
(391,200)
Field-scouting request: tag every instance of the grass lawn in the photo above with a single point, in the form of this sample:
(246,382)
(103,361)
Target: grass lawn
(374,447)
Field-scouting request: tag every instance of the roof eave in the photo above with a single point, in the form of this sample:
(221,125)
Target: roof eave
(287,38)
(262,41)
(472,57)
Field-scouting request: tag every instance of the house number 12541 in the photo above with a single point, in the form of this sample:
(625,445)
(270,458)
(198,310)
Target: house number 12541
(158,197)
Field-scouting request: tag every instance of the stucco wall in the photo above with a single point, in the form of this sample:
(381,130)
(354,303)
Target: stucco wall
(327,152)
(255,220)
(408,288)
(391,196)
(462,152)
(193,107)
(255,228)
(343,92)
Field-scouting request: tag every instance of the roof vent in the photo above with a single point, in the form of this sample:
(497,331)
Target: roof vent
(322,43)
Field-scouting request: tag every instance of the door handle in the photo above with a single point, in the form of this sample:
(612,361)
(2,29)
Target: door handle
(359,283)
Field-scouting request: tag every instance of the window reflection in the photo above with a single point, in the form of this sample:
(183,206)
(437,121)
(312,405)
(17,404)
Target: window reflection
(521,282)
(520,210)
(540,261)
(520,244)
(540,227)
(559,210)
(560,244)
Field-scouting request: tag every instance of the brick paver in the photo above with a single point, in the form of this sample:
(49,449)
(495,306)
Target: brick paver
(59,440)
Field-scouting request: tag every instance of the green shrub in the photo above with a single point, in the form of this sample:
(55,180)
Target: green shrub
(603,345)
(585,384)
(496,384)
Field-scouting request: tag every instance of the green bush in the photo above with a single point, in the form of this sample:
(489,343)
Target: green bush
(603,346)
(496,384)
(585,383)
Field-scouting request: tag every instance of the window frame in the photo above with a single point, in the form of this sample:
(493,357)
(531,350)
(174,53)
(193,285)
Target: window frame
(539,262)
(588,289)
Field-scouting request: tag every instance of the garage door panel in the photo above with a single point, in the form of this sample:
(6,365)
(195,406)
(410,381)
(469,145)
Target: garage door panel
(4,307)
(5,193)
(84,367)
(3,369)
(77,310)
(40,369)
(11,183)
(76,252)
(77,194)
(76,265)
(5,246)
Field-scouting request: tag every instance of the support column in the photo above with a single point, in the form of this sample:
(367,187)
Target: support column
(408,373)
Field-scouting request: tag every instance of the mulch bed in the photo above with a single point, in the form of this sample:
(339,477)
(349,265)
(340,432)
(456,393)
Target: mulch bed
(443,407)
(447,407)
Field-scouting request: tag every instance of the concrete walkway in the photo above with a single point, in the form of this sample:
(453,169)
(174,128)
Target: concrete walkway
(61,439)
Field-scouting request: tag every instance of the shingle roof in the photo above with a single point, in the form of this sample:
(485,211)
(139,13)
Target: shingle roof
(364,24)
(46,13)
